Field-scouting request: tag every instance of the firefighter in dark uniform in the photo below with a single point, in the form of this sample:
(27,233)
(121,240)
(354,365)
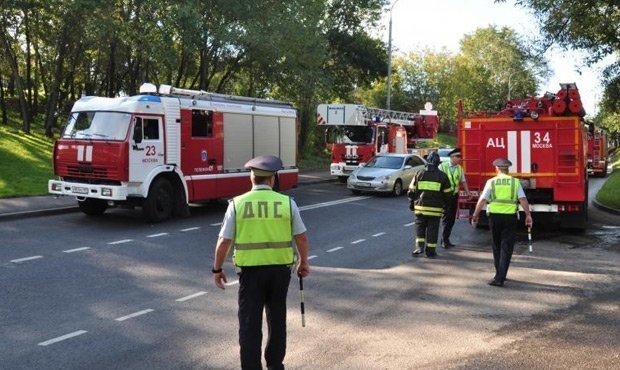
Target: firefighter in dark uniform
(428,194)
(264,226)
(456,175)
(503,194)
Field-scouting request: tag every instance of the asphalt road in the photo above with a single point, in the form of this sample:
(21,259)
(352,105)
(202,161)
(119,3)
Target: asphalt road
(114,292)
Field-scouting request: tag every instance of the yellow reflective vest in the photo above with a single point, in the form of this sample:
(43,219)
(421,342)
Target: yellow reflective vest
(263,229)
(455,177)
(504,194)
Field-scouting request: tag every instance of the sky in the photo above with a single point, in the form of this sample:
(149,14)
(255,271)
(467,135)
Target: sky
(435,24)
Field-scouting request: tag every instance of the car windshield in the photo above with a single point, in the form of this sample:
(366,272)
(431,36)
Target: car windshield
(385,162)
(350,135)
(97,125)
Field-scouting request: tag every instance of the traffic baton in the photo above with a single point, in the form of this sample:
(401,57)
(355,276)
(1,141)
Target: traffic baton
(301,297)
(529,238)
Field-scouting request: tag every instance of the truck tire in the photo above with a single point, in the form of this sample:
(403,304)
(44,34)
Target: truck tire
(398,188)
(93,207)
(343,179)
(159,203)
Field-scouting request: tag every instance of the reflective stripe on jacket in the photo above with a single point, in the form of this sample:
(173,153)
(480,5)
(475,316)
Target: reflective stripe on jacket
(455,177)
(263,229)
(503,196)
(431,190)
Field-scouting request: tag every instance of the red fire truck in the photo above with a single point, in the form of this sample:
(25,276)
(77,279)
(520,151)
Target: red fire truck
(165,148)
(354,133)
(597,151)
(545,139)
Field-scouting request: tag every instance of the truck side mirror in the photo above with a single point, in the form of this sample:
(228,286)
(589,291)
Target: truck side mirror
(137,133)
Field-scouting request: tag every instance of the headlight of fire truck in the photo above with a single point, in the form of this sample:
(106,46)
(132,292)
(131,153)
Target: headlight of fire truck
(106,192)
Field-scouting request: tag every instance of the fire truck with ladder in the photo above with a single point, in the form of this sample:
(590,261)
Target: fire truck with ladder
(354,133)
(167,147)
(597,151)
(545,139)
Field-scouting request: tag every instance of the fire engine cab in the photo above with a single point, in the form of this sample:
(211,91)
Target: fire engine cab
(354,133)
(545,139)
(167,147)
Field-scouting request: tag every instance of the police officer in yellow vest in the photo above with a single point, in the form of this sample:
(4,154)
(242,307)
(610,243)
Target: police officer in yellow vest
(455,173)
(503,194)
(264,226)
(428,194)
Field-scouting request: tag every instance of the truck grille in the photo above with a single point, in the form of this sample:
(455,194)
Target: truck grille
(87,171)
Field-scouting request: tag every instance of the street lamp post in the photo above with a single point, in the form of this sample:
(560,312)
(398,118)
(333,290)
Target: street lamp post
(510,83)
(389,74)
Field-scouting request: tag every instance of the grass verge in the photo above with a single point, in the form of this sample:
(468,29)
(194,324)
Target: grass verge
(25,163)
(609,194)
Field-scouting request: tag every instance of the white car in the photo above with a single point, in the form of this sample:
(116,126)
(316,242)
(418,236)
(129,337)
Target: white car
(443,154)
(386,173)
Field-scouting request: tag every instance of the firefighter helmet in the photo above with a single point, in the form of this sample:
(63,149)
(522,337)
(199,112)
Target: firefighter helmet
(433,159)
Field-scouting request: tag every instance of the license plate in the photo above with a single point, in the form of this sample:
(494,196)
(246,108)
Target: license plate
(363,184)
(79,190)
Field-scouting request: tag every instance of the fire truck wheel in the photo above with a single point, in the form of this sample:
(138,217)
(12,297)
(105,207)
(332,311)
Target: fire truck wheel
(342,179)
(93,207)
(398,188)
(159,203)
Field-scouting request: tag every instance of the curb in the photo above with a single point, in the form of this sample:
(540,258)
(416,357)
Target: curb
(605,208)
(63,210)
(37,213)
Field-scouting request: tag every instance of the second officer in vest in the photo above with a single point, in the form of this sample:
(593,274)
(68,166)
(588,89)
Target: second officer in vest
(264,226)
(455,173)
(503,194)
(428,194)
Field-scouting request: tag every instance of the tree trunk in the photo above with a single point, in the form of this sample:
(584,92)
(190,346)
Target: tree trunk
(5,118)
(28,65)
(50,116)
(12,59)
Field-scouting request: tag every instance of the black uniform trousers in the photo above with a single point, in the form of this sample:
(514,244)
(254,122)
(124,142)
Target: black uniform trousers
(263,287)
(449,217)
(427,228)
(504,232)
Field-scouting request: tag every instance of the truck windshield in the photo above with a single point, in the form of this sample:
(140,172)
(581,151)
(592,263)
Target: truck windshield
(97,125)
(385,162)
(350,135)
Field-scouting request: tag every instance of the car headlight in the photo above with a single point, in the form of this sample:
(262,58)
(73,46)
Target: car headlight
(385,177)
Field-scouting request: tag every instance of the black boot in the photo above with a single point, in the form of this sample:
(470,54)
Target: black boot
(418,252)
(431,253)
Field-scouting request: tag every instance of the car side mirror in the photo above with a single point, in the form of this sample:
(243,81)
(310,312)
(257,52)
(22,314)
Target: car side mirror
(137,134)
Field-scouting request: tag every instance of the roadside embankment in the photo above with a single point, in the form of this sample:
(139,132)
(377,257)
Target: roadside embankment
(609,195)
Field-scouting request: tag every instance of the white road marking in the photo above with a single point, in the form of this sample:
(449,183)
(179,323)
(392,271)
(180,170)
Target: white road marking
(610,227)
(156,235)
(358,241)
(191,296)
(313,256)
(379,234)
(61,338)
(26,259)
(76,250)
(120,241)
(190,229)
(139,313)
(409,224)
(234,282)
(334,249)
(332,203)
(217,224)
